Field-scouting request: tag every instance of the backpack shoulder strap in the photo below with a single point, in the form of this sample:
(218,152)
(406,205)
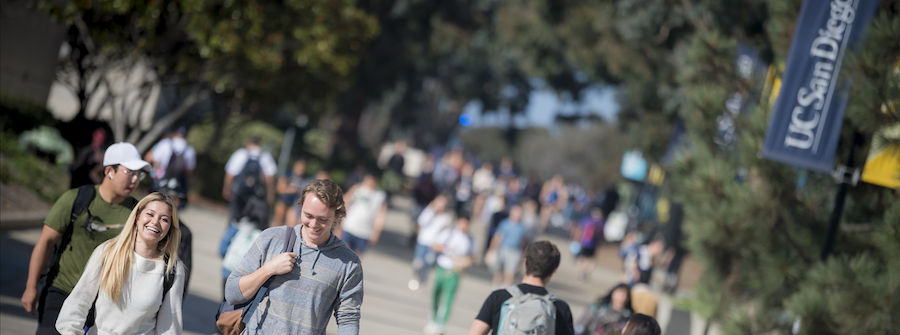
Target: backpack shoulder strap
(514,290)
(169,278)
(82,201)
(290,238)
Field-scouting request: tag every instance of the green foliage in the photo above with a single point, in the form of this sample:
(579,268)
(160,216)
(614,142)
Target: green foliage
(21,167)
(757,226)
(260,55)
(18,114)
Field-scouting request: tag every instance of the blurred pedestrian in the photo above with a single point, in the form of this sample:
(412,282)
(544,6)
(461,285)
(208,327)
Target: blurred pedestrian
(249,173)
(588,234)
(554,197)
(424,192)
(541,261)
(530,220)
(392,179)
(456,252)
(173,159)
(507,168)
(482,184)
(288,189)
(103,211)
(508,244)
(432,221)
(464,190)
(133,282)
(87,169)
(366,209)
(640,324)
(321,277)
(608,314)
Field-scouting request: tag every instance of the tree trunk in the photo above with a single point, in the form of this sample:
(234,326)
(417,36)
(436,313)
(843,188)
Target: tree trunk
(164,123)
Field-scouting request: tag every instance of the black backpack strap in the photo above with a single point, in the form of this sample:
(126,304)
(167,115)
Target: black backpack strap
(169,278)
(81,204)
(82,200)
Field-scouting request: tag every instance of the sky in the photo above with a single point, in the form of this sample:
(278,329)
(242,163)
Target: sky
(544,105)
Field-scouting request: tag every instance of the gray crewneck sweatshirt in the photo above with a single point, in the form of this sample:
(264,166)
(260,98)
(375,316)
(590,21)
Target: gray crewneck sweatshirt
(325,279)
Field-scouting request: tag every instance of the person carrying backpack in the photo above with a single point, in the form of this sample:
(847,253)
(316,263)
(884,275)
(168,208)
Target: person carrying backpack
(250,172)
(173,160)
(527,308)
(134,281)
(80,220)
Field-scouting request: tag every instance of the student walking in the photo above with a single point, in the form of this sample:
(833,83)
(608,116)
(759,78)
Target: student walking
(288,189)
(249,173)
(80,220)
(135,280)
(173,161)
(541,261)
(322,277)
(366,209)
(432,221)
(456,252)
(507,243)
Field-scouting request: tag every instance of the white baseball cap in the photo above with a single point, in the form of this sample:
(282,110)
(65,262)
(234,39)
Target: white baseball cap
(125,154)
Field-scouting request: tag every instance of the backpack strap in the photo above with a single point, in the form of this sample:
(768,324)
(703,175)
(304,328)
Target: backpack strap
(514,290)
(83,198)
(290,238)
(80,205)
(169,278)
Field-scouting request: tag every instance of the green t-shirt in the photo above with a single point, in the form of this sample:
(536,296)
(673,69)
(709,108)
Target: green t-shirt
(76,254)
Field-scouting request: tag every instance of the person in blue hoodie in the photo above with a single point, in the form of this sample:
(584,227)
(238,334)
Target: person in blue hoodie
(320,278)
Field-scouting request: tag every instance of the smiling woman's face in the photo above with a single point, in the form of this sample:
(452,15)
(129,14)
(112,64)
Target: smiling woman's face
(154,222)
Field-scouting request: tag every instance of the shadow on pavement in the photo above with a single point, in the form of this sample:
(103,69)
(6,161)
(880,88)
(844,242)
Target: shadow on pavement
(200,314)
(14,264)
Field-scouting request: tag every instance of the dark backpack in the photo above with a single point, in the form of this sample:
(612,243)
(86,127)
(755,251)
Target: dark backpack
(249,181)
(177,167)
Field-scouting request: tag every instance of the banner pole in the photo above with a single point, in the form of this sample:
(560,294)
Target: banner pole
(838,210)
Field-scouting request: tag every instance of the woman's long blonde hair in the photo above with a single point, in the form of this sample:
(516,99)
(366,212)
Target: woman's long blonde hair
(119,254)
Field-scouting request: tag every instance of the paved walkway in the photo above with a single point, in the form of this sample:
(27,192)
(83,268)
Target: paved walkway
(389,306)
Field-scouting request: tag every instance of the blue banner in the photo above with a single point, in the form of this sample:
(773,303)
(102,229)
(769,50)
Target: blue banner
(806,122)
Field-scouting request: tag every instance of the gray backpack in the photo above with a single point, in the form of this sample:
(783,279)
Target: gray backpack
(527,314)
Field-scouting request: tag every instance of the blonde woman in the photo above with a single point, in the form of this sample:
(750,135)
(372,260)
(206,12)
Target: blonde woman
(125,277)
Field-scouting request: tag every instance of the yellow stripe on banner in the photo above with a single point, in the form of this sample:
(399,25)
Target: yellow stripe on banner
(884,168)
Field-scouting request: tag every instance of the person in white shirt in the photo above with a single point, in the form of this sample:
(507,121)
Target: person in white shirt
(366,209)
(126,277)
(432,221)
(456,252)
(173,147)
(482,184)
(243,167)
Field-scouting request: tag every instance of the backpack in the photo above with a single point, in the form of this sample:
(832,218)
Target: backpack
(83,199)
(177,167)
(249,180)
(527,313)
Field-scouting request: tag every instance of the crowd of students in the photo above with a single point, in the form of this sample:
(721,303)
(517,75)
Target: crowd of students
(107,251)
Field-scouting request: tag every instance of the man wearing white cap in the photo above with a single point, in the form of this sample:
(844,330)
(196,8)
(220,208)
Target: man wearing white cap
(109,206)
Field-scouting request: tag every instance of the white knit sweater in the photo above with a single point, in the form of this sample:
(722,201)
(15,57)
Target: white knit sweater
(141,310)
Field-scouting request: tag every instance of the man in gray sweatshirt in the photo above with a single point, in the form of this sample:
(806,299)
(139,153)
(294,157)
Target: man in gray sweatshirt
(321,276)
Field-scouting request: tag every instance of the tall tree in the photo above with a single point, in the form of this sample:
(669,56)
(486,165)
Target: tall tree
(256,54)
